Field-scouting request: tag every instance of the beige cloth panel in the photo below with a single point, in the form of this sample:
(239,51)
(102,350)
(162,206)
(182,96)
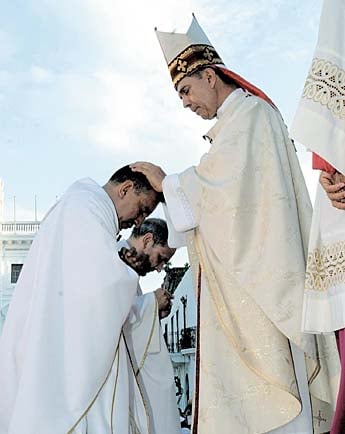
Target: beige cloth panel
(324,299)
(254,213)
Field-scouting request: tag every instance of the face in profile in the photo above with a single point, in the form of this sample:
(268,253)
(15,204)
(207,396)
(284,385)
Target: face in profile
(197,93)
(146,259)
(136,206)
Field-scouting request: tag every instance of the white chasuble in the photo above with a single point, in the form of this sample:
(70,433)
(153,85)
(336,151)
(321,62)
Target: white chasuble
(319,124)
(152,364)
(62,336)
(324,298)
(252,214)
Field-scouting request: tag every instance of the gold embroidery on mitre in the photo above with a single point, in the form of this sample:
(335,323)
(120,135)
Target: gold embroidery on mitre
(325,84)
(181,65)
(191,59)
(208,54)
(326,267)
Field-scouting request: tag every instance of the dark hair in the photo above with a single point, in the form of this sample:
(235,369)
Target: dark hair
(226,79)
(141,183)
(157,227)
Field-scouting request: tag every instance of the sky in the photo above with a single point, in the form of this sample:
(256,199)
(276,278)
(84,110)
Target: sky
(84,88)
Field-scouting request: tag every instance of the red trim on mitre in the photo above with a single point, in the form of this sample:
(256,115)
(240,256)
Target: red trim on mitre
(244,84)
(321,164)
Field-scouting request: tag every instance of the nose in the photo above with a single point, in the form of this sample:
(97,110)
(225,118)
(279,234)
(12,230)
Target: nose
(138,221)
(186,102)
(159,267)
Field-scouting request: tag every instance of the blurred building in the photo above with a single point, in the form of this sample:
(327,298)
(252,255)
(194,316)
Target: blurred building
(179,329)
(15,241)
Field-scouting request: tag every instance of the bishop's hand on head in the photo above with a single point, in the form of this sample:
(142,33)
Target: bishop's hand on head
(153,173)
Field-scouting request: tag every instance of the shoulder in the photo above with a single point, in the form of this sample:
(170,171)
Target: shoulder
(86,197)
(260,111)
(85,192)
(245,104)
(83,187)
(243,112)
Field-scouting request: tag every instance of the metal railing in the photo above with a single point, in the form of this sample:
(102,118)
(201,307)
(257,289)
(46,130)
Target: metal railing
(20,227)
(184,341)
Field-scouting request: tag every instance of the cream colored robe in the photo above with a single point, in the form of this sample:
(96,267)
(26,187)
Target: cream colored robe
(250,206)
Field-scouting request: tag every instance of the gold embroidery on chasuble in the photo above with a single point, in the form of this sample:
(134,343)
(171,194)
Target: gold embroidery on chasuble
(325,84)
(319,418)
(232,316)
(249,304)
(326,267)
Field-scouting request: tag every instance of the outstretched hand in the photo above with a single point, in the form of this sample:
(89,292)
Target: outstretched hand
(334,186)
(153,173)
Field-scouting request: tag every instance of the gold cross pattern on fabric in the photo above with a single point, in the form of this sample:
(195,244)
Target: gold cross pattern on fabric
(319,418)
(208,54)
(181,65)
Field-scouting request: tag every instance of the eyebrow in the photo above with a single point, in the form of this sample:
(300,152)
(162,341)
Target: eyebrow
(162,258)
(183,90)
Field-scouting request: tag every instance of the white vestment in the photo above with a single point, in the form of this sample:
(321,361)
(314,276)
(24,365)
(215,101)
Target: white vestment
(152,365)
(151,362)
(319,124)
(246,213)
(64,366)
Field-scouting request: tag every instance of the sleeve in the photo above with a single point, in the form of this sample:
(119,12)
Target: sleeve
(180,211)
(142,328)
(175,239)
(143,305)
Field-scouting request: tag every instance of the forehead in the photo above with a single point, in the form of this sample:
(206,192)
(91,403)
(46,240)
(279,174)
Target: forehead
(148,198)
(165,251)
(186,81)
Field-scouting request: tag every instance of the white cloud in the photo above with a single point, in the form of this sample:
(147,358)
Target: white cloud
(7,48)
(99,79)
(41,75)
(120,100)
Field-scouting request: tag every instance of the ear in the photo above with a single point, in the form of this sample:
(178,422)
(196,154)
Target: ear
(210,76)
(147,239)
(125,187)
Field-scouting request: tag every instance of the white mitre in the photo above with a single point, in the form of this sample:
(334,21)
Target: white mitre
(186,52)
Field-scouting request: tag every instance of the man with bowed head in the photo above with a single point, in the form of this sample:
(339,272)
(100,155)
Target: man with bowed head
(62,350)
(148,250)
(244,213)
